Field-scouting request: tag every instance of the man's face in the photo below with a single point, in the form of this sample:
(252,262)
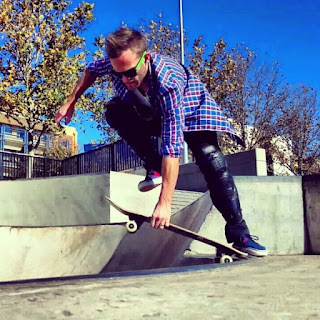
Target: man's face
(129,60)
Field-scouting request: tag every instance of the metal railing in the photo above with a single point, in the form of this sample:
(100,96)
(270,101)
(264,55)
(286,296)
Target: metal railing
(113,157)
(22,166)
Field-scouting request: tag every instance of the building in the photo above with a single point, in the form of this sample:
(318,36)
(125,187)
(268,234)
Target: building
(14,138)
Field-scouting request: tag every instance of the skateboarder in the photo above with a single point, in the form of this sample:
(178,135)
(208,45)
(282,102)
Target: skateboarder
(159,97)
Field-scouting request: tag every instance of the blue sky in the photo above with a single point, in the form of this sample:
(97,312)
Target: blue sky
(287,30)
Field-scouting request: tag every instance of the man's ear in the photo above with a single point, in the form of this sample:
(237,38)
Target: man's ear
(147,57)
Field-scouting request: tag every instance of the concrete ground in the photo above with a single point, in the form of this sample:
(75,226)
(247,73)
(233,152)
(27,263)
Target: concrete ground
(275,287)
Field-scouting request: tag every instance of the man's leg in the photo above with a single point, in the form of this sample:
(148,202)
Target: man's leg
(223,191)
(221,185)
(136,131)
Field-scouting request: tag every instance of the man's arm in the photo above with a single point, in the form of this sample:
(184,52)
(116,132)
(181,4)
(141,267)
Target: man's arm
(67,110)
(162,213)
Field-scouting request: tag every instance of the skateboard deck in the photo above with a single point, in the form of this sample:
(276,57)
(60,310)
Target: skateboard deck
(224,252)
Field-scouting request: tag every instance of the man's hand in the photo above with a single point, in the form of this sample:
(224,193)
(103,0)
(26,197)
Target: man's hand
(66,111)
(162,212)
(161,215)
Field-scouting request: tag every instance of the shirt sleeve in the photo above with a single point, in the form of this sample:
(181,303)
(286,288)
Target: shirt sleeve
(172,92)
(100,67)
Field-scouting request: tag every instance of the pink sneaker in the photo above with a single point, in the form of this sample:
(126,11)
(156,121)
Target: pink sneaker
(152,180)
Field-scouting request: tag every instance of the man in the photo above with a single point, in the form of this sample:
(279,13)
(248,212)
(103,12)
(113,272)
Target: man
(158,97)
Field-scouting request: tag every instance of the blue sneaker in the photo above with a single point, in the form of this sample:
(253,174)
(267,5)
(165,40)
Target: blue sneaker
(249,245)
(152,180)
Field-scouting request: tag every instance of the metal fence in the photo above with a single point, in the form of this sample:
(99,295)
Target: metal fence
(113,157)
(21,166)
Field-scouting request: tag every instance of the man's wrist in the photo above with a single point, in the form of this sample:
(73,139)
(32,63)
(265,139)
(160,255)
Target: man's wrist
(165,200)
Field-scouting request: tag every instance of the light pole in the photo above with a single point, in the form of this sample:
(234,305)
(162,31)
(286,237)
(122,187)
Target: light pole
(181,32)
(185,155)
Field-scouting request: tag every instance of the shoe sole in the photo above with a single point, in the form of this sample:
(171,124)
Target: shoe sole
(253,252)
(147,187)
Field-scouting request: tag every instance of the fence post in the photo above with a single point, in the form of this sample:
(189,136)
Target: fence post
(29,167)
(78,165)
(45,174)
(113,162)
(1,166)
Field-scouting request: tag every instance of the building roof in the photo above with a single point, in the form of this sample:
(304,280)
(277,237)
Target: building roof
(12,122)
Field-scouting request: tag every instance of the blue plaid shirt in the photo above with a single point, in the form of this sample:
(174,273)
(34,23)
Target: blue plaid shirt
(184,102)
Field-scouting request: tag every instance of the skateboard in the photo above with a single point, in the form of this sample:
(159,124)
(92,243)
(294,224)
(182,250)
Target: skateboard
(225,253)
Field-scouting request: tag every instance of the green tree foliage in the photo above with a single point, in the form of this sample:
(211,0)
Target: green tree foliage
(41,55)
(58,151)
(162,38)
(216,70)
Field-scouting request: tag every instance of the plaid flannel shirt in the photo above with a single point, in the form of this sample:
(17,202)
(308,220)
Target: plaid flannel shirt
(184,102)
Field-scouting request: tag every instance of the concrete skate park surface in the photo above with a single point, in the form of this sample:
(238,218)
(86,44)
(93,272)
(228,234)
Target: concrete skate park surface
(278,287)
(282,211)
(64,215)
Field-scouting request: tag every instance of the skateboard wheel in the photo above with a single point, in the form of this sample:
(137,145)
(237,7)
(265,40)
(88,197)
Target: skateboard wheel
(131,226)
(226,259)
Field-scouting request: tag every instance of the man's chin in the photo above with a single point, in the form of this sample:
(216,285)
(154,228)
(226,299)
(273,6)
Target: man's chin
(131,86)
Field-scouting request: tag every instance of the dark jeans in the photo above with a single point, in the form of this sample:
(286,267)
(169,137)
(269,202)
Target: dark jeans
(132,127)
(138,132)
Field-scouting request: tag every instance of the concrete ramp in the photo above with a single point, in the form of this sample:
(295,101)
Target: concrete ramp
(149,248)
(64,227)
(34,253)
(49,252)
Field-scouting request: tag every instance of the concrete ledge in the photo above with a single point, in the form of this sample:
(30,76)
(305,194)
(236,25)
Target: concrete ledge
(78,200)
(273,210)
(247,163)
(57,201)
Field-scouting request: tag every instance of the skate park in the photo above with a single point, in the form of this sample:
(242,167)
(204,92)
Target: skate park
(62,227)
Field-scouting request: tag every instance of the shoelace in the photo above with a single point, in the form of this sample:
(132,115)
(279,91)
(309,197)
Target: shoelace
(252,237)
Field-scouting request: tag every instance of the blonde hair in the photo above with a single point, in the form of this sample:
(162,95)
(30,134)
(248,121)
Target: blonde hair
(125,38)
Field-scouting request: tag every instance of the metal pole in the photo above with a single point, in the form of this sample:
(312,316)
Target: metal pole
(185,146)
(181,33)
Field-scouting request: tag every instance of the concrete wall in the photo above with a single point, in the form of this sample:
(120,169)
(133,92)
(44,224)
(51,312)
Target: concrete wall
(76,200)
(273,210)
(69,200)
(272,206)
(311,192)
(247,163)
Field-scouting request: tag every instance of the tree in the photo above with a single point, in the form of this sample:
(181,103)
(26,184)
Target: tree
(299,125)
(59,151)
(254,106)
(249,94)
(162,38)
(41,55)
(217,71)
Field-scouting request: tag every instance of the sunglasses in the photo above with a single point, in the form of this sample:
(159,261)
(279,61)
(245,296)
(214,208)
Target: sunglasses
(131,73)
